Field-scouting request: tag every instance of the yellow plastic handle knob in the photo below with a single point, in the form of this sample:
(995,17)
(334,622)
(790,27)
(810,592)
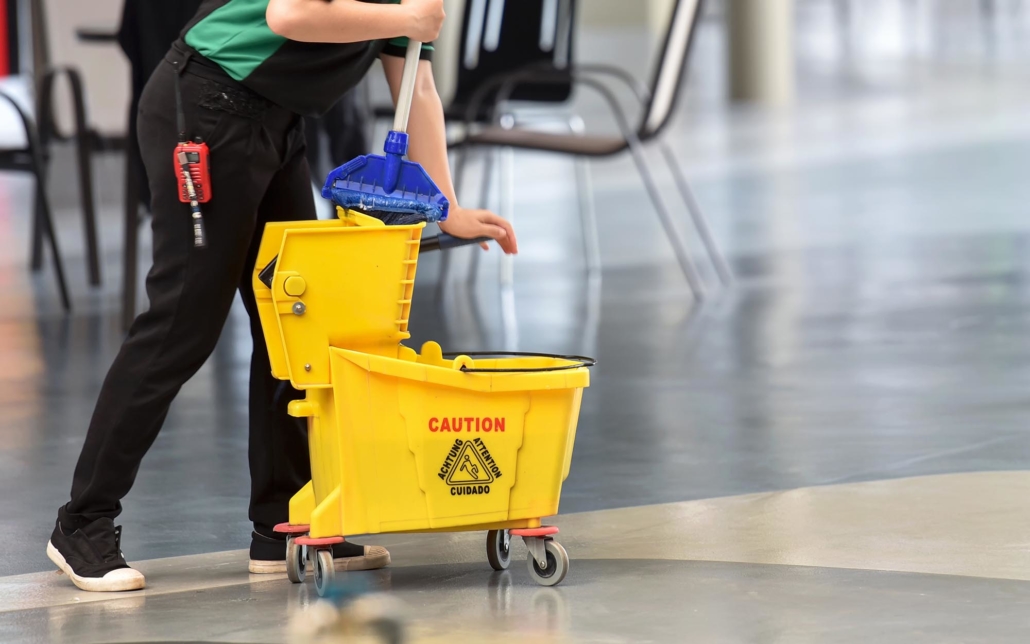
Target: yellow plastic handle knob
(301,409)
(295,286)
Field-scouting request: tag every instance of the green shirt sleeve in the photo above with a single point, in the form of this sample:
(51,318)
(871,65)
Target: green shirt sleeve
(402,42)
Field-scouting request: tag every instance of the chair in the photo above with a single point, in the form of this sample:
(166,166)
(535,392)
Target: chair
(657,102)
(45,78)
(35,154)
(83,137)
(32,154)
(499,38)
(30,158)
(502,36)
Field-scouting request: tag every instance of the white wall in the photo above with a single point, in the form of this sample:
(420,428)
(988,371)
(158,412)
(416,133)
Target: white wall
(619,13)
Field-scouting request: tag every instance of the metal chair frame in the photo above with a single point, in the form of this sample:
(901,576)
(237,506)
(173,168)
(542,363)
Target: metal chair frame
(42,215)
(657,104)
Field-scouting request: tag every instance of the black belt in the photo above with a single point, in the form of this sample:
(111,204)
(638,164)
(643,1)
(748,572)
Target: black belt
(244,101)
(189,60)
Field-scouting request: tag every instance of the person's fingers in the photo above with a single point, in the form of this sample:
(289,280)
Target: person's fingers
(483,223)
(503,237)
(509,246)
(485,246)
(496,233)
(508,242)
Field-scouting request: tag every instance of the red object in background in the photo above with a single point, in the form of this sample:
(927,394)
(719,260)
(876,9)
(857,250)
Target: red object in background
(196,157)
(5,41)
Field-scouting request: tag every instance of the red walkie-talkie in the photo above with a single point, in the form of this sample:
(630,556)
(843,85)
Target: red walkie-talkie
(197,162)
(192,170)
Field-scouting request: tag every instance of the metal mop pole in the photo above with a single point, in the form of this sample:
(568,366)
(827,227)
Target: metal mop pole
(396,145)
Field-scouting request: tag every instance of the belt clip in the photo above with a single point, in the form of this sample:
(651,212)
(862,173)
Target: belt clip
(180,68)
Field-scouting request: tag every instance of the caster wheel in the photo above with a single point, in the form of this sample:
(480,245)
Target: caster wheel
(498,549)
(557,565)
(296,560)
(324,571)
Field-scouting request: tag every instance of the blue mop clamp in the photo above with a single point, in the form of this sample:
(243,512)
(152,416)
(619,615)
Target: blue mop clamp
(387,183)
(388,187)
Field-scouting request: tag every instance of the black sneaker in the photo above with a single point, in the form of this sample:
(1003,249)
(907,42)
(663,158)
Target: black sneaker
(268,555)
(92,557)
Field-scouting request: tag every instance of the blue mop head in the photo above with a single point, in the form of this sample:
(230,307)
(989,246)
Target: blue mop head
(387,187)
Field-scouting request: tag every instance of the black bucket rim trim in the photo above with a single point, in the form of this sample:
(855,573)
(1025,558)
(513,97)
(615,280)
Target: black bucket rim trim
(578,362)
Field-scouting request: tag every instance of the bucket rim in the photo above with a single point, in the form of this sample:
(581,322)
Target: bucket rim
(576,362)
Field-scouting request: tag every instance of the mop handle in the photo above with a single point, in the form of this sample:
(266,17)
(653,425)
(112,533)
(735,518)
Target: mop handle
(404,97)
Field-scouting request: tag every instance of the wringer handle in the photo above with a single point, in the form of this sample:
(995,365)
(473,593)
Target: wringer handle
(407,91)
(443,241)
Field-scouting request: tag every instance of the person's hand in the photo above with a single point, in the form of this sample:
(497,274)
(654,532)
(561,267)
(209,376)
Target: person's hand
(426,19)
(469,224)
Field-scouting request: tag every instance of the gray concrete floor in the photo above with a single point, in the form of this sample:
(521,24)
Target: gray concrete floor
(875,331)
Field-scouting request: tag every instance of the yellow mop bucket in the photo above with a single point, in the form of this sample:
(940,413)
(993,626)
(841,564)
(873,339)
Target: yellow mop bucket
(426,443)
(401,442)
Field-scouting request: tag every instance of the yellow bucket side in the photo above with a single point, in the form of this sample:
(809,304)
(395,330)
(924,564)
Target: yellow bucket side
(303,504)
(415,454)
(550,427)
(573,422)
(319,410)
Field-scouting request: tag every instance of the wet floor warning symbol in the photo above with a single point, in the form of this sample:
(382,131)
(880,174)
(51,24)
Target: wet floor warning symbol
(469,467)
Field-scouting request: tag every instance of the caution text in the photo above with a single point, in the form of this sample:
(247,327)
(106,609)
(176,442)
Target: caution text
(468,424)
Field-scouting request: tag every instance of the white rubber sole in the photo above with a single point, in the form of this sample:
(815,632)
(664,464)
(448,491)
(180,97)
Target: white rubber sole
(119,580)
(375,557)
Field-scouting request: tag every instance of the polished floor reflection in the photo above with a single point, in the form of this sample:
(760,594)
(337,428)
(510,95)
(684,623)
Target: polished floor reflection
(903,560)
(836,445)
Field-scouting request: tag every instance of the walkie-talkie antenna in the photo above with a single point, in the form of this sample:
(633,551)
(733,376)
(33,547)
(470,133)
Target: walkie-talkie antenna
(180,118)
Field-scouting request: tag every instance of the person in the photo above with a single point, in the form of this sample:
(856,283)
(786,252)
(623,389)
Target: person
(249,70)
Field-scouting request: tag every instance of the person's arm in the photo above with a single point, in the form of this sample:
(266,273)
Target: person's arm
(428,146)
(343,21)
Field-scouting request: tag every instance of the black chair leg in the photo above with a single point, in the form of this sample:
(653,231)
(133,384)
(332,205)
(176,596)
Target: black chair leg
(48,231)
(43,219)
(36,255)
(83,147)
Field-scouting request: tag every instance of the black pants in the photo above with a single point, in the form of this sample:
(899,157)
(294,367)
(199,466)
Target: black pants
(259,173)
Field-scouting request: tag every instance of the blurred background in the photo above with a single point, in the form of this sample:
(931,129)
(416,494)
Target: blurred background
(792,232)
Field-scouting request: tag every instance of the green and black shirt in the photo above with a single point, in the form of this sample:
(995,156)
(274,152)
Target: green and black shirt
(306,78)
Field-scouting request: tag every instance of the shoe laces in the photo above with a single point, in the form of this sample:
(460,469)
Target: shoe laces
(118,541)
(103,546)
